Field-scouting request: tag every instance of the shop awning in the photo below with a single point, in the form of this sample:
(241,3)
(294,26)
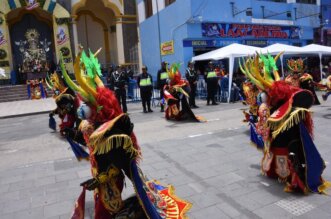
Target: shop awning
(278,47)
(316,49)
(233,50)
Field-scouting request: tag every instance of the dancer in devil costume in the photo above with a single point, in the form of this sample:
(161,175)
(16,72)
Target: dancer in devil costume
(327,88)
(285,123)
(114,153)
(298,78)
(176,94)
(66,103)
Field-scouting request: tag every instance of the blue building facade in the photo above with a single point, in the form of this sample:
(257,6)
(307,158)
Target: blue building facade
(199,26)
(326,22)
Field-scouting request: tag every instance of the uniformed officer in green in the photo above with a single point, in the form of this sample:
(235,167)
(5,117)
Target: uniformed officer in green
(145,83)
(162,77)
(212,84)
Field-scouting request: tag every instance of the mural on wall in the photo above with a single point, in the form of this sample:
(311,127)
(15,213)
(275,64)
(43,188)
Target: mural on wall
(250,31)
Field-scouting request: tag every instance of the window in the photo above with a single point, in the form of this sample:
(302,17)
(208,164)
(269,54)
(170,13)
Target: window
(148,8)
(307,1)
(168,2)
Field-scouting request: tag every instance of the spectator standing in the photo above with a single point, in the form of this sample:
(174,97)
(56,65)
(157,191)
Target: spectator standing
(145,83)
(119,84)
(162,77)
(192,77)
(212,84)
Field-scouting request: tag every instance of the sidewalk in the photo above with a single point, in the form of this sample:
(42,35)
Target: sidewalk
(34,107)
(26,107)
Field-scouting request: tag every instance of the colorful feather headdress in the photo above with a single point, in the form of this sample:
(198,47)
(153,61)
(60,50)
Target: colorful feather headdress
(54,83)
(175,78)
(261,70)
(90,88)
(87,72)
(174,74)
(295,65)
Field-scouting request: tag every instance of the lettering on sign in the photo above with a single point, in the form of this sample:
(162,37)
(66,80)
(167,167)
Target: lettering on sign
(250,31)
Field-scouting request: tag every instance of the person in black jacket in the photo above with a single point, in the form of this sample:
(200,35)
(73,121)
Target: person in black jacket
(145,83)
(119,83)
(192,77)
(162,77)
(212,84)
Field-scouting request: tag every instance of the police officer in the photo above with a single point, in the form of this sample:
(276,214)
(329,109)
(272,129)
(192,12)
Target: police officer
(192,77)
(162,77)
(145,83)
(119,83)
(212,84)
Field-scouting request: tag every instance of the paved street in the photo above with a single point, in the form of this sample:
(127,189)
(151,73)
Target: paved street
(211,164)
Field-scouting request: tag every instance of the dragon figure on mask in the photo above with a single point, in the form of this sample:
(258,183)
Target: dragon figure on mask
(284,128)
(114,153)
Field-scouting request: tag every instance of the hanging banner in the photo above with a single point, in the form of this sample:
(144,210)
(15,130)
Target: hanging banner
(250,31)
(5,54)
(62,42)
(2,37)
(167,48)
(61,36)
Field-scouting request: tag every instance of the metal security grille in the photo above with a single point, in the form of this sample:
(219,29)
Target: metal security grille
(295,206)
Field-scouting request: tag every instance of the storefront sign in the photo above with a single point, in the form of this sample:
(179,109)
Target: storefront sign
(250,31)
(257,43)
(208,43)
(167,48)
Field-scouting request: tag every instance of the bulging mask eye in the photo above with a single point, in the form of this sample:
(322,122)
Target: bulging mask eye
(84,111)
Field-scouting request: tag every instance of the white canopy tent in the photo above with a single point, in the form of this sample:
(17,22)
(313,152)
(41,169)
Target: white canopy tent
(278,47)
(309,49)
(238,50)
(231,51)
(317,49)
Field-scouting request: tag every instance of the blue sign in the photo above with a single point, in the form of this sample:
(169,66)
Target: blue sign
(256,43)
(209,43)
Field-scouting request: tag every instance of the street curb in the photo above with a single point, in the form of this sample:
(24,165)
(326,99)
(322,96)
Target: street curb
(25,114)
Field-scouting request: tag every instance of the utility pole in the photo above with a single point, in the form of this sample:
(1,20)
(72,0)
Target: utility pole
(158,27)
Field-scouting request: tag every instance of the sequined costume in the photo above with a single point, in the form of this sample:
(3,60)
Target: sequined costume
(114,153)
(298,78)
(327,88)
(289,151)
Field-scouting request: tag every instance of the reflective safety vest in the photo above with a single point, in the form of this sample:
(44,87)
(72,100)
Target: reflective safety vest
(145,82)
(211,74)
(164,75)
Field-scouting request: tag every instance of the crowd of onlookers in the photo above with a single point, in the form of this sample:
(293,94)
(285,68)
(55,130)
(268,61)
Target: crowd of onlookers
(221,91)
